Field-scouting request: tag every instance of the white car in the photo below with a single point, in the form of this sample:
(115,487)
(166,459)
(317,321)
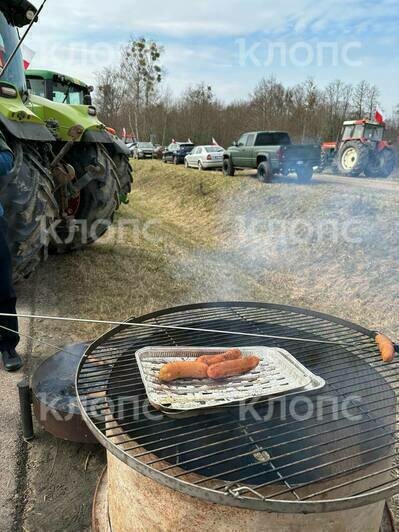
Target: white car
(203,157)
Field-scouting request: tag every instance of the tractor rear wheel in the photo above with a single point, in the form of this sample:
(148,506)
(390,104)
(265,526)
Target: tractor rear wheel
(382,165)
(93,208)
(125,174)
(353,159)
(30,208)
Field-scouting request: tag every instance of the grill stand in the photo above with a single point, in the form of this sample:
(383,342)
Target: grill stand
(151,509)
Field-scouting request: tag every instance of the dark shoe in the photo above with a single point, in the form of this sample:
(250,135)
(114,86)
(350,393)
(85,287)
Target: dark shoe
(11,360)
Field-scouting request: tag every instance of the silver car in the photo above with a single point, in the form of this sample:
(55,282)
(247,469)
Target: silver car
(204,157)
(144,150)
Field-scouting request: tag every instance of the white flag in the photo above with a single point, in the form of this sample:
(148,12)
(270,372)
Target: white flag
(28,55)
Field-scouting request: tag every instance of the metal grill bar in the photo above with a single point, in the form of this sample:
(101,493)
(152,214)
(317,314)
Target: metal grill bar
(112,425)
(118,421)
(344,484)
(337,475)
(278,457)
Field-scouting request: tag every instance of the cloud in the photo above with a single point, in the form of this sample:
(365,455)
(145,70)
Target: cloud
(177,18)
(200,38)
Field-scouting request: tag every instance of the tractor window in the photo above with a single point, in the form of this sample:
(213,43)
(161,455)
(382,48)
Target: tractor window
(358,132)
(69,94)
(374,133)
(348,133)
(37,86)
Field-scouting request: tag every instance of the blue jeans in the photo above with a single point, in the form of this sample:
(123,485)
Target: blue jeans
(8,340)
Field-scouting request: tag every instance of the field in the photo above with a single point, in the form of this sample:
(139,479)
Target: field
(190,236)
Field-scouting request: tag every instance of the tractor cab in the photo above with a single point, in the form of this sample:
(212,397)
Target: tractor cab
(363,130)
(58,87)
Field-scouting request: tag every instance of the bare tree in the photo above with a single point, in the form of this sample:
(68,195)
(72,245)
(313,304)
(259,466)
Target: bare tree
(132,96)
(141,73)
(109,96)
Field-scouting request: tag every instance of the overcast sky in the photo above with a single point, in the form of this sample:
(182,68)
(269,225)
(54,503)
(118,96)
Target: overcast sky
(229,44)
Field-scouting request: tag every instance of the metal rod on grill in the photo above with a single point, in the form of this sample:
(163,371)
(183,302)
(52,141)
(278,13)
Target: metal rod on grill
(169,327)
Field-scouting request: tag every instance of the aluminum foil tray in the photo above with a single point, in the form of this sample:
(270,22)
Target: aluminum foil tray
(278,374)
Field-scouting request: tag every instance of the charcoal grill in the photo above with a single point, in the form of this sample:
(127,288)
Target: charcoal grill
(255,458)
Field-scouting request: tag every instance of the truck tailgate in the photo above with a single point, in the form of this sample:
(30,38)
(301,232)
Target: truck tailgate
(302,153)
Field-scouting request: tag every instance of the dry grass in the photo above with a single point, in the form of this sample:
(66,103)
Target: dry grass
(282,242)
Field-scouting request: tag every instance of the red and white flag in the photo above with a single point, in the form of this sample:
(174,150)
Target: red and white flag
(28,55)
(214,142)
(379,116)
(2,52)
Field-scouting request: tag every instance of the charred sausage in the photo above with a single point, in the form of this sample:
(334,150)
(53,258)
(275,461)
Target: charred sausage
(386,347)
(231,354)
(233,367)
(183,370)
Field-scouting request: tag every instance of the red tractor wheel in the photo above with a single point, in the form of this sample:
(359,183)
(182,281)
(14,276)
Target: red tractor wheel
(382,164)
(353,158)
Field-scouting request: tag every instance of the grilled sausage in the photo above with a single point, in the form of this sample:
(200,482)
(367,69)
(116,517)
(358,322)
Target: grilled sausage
(183,370)
(231,354)
(233,367)
(386,347)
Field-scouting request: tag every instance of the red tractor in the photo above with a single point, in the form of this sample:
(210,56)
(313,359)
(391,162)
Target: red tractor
(361,149)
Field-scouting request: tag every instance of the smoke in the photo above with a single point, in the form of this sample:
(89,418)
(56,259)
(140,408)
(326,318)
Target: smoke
(323,247)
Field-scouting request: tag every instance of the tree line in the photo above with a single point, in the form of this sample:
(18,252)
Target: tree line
(132,96)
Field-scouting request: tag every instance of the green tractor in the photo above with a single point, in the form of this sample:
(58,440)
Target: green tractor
(64,189)
(28,192)
(87,188)
(67,90)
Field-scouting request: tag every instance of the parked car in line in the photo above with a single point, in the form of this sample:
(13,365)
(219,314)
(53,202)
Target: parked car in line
(203,157)
(272,152)
(144,150)
(176,152)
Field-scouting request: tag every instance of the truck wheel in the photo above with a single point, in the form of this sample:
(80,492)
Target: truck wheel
(228,168)
(265,173)
(30,208)
(93,209)
(353,159)
(383,164)
(304,174)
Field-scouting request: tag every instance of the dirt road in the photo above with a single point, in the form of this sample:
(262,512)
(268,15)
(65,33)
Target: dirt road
(358,182)
(390,184)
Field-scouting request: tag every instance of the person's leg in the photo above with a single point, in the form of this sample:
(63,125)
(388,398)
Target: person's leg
(8,338)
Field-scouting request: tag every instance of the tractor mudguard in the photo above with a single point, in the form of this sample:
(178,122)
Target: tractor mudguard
(27,131)
(119,146)
(101,137)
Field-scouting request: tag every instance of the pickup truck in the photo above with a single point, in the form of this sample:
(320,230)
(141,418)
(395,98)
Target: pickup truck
(271,153)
